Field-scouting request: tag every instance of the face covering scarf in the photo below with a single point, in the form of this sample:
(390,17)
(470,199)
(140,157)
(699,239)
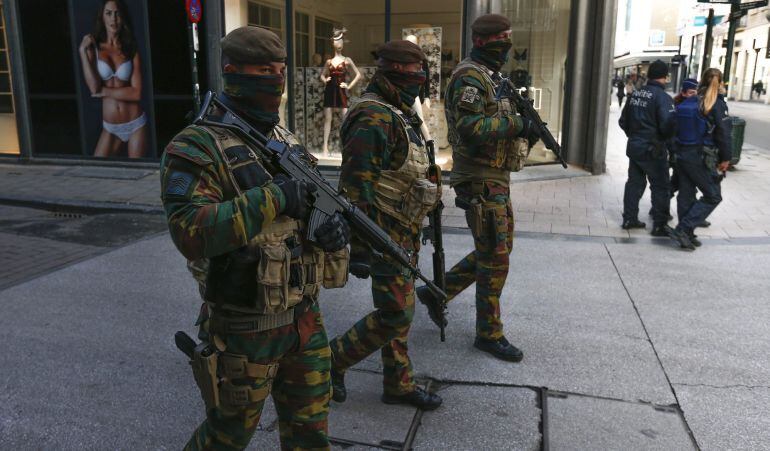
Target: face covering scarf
(407,84)
(493,54)
(259,96)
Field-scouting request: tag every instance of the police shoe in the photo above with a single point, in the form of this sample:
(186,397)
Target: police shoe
(435,309)
(633,224)
(420,398)
(499,348)
(659,231)
(339,393)
(703,224)
(682,238)
(694,240)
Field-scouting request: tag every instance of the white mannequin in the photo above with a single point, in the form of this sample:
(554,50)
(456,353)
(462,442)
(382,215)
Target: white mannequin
(417,107)
(335,61)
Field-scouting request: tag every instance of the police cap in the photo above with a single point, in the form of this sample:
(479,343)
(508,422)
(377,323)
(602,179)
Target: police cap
(253,45)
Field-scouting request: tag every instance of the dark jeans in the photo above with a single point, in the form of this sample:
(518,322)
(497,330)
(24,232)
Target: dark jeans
(693,173)
(639,170)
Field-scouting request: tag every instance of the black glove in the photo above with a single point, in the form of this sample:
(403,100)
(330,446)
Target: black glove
(298,195)
(334,234)
(529,130)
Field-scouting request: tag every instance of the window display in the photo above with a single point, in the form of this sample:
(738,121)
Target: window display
(334,76)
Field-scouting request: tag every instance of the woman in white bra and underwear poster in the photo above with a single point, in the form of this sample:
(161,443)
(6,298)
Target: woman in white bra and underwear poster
(112,72)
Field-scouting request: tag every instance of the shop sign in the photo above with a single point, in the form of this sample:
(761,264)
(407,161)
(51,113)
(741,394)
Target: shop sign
(194,10)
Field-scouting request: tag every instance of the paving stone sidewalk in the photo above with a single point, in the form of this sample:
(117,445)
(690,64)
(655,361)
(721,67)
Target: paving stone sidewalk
(546,199)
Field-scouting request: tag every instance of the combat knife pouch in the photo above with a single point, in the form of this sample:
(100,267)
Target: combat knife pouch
(204,366)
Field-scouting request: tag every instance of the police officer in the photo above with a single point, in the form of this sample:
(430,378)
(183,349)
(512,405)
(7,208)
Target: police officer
(385,173)
(489,140)
(649,122)
(241,228)
(703,149)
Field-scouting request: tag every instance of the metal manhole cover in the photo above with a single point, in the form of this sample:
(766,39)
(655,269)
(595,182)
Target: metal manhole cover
(106,173)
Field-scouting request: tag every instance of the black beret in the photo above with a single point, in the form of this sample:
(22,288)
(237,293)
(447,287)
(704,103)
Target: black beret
(490,24)
(401,52)
(253,45)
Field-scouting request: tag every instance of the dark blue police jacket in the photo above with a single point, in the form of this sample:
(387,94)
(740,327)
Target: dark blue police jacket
(720,136)
(648,120)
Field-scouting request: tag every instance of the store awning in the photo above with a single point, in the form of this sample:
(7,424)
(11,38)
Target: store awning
(637,58)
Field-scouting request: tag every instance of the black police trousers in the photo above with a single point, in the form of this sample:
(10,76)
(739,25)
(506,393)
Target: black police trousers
(639,170)
(693,173)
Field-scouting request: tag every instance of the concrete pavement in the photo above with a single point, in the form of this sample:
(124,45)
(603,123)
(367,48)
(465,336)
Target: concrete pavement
(627,346)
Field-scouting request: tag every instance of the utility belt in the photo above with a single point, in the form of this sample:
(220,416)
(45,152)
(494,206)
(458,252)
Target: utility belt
(224,322)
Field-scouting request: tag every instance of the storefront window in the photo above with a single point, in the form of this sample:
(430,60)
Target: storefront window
(266,16)
(537,62)
(9,142)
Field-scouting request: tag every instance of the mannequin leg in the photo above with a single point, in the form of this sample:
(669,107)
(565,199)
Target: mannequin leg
(327,130)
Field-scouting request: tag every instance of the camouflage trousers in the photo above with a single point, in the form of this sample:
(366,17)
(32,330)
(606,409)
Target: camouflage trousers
(385,328)
(300,389)
(488,264)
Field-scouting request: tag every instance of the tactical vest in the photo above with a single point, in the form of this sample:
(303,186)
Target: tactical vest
(405,193)
(510,154)
(276,270)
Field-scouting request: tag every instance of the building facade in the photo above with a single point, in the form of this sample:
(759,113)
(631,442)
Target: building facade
(561,58)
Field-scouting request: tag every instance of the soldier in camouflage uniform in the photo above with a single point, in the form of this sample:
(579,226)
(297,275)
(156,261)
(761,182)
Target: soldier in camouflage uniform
(489,140)
(241,228)
(384,172)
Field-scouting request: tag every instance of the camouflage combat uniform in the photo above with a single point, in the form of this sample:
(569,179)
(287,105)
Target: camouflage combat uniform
(377,143)
(482,131)
(219,224)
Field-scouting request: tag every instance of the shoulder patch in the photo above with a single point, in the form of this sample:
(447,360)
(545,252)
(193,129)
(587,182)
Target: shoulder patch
(470,94)
(178,183)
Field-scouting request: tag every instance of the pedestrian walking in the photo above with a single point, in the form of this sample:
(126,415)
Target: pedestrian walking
(703,150)
(385,173)
(489,140)
(621,88)
(243,232)
(648,120)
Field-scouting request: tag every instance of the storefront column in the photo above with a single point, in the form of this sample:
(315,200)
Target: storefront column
(589,71)
(215,26)
(18,79)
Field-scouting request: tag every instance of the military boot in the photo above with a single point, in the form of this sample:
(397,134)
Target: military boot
(420,398)
(435,310)
(499,348)
(339,393)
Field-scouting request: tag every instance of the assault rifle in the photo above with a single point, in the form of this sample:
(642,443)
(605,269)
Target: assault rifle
(433,233)
(293,161)
(525,108)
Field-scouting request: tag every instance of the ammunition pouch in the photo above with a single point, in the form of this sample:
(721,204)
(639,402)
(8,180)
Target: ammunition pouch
(235,397)
(517,155)
(335,268)
(406,198)
(204,366)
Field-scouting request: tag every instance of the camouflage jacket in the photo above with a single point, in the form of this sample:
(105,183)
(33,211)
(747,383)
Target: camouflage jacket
(373,141)
(206,217)
(481,129)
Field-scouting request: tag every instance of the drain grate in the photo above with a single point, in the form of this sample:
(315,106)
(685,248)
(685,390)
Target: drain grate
(66,215)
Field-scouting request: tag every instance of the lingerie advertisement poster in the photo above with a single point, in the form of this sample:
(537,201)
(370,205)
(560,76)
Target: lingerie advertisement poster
(115,93)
